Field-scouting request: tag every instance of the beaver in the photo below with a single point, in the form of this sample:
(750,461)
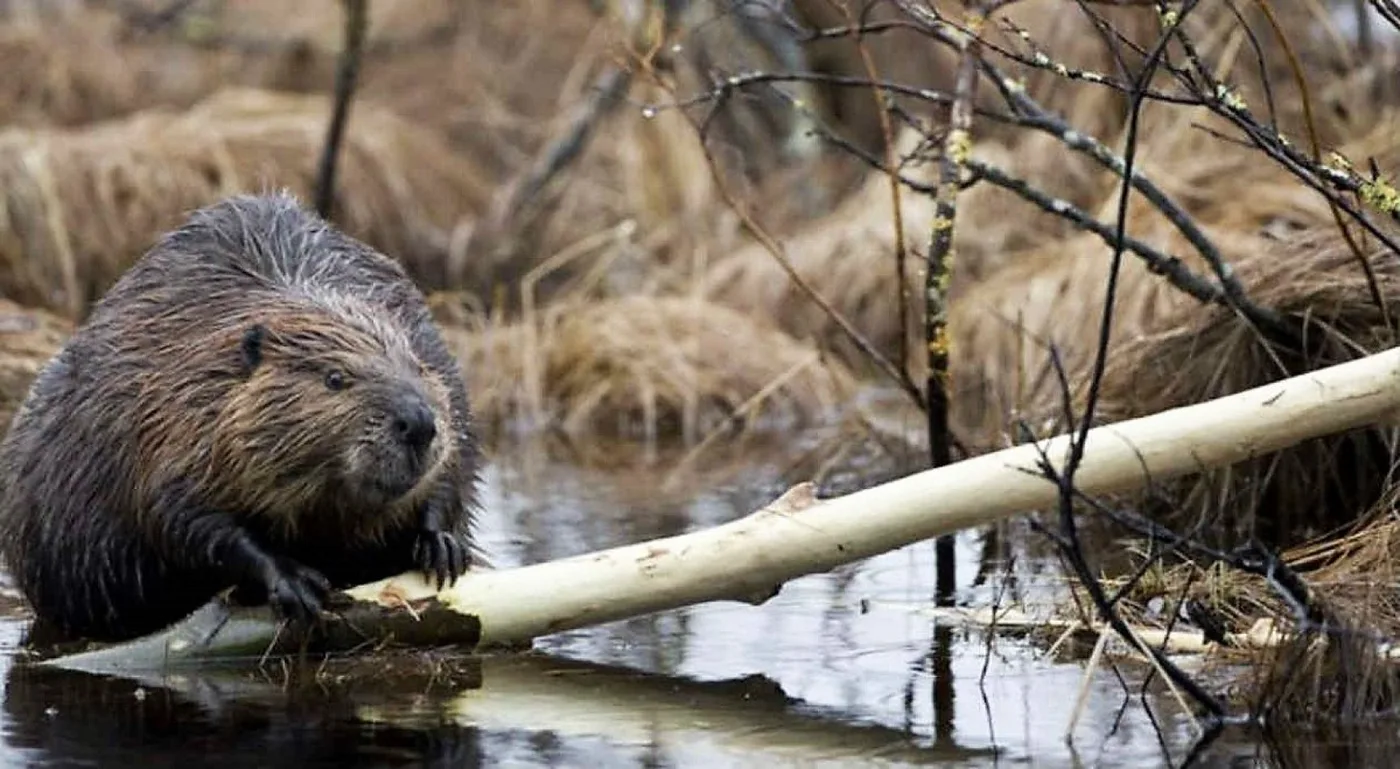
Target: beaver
(260,402)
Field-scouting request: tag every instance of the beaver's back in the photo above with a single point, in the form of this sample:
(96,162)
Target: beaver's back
(249,248)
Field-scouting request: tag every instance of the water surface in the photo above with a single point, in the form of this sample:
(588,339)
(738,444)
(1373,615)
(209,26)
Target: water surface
(838,669)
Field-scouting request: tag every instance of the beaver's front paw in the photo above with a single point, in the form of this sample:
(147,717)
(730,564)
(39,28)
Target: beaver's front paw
(296,592)
(440,555)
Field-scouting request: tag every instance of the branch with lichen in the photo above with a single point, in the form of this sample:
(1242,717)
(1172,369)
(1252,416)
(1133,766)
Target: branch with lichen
(1030,114)
(1170,267)
(1173,268)
(934,24)
(1338,172)
(1203,87)
(1226,102)
(1335,178)
(957,146)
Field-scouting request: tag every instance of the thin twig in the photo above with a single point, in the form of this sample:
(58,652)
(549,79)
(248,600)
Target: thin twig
(1034,116)
(1171,267)
(356,24)
(1212,90)
(775,250)
(882,99)
(520,195)
(1064,479)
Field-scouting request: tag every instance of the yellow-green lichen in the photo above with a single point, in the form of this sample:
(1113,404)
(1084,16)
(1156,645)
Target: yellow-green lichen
(959,146)
(1381,195)
(1229,98)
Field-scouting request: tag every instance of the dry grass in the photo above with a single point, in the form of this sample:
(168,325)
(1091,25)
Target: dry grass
(1331,502)
(1019,285)
(644,366)
(798,179)
(28,338)
(80,205)
(1317,284)
(1340,669)
(1335,668)
(450,69)
(45,83)
(848,258)
(1004,325)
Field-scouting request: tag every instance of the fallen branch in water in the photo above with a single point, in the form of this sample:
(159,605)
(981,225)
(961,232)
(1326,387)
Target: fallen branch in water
(749,559)
(1265,633)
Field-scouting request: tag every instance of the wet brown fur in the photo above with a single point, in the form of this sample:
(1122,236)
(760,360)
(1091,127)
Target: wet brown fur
(185,439)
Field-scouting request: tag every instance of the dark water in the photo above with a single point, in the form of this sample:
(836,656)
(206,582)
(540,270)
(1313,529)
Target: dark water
(838,669)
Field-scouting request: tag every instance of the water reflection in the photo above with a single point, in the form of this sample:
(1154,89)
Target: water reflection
(885,665)
(57,718)
(839,668)
(530,708)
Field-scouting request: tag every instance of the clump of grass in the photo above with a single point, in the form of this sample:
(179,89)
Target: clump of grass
(1053,293)
(625,367)
(1346,668)
(644,366)
(80,205)
(63,73)
(1338,662)
(1316,284)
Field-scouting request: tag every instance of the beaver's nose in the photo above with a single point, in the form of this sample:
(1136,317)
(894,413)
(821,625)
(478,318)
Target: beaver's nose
(414,424)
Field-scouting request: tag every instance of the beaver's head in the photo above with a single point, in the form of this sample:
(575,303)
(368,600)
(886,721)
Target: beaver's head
(334,409)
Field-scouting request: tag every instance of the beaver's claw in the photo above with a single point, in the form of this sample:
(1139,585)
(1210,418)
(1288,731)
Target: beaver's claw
(296,592)
(440,555)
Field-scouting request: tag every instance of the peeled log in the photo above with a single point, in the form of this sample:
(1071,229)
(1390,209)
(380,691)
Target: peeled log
(749,559)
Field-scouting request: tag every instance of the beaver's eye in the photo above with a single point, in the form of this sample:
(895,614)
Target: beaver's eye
(335,379)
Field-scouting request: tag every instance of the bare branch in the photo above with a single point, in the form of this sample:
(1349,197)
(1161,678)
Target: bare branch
(356,25)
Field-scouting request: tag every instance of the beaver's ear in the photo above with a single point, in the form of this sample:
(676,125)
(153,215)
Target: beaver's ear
(252,347)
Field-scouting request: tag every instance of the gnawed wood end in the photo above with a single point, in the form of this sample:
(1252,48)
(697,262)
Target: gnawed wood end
(217,631)
(399,591)
(795,499)
(407,589)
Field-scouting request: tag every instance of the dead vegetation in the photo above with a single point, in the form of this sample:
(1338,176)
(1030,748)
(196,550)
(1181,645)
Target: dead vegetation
(81,204)
(645,366)
(638,366)
(1195,354)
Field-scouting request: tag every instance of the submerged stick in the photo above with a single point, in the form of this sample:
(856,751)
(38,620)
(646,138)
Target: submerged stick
(749,559)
